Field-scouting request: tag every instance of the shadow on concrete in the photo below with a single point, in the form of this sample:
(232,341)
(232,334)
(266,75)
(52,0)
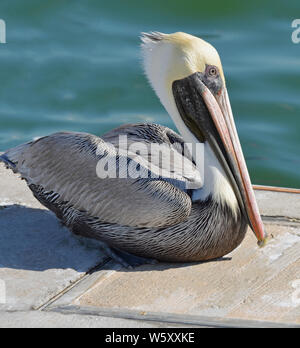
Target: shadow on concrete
(34,239)
(162,266)
(159,267)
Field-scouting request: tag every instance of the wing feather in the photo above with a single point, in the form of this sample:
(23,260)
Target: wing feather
(66,163)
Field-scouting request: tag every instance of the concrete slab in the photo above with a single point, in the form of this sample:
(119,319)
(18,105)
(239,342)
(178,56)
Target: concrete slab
(279,204)
(38,257)
(37,319)
(15,191)
(249,283)
(43,266)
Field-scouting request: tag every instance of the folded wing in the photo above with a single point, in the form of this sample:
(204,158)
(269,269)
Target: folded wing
(69,166)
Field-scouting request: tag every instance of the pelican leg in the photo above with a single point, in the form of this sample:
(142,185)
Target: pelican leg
(126,259)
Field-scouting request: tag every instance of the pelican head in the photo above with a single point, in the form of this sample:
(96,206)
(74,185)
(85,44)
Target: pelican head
(186,74)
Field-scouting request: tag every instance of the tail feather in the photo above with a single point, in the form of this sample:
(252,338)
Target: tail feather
(12,156)
(7,161)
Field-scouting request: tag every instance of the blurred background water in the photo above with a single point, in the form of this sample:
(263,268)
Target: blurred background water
(75,65)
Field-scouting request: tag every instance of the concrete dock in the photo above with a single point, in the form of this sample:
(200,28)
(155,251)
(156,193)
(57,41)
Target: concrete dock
(50,278)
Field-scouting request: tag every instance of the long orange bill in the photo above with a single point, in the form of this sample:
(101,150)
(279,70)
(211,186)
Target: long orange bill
(207,112)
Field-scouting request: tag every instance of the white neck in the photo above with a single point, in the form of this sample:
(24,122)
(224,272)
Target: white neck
(215,182)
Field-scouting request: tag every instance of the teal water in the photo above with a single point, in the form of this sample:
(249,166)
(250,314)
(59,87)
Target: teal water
(75,65)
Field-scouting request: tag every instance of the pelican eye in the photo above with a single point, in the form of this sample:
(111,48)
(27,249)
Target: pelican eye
(212,71)
(212,79)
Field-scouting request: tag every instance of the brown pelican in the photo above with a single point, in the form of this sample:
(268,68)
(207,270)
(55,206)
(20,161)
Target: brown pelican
(154,217)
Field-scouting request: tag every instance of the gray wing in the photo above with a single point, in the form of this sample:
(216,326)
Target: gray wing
(67,165)
(169,157)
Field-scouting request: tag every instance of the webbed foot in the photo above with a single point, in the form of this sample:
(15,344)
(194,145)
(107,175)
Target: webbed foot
(126,259)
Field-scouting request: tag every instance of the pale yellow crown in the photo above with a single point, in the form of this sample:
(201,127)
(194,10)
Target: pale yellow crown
(177,56)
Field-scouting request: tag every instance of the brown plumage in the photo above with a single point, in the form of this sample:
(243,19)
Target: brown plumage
(60,171)
(198,214)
